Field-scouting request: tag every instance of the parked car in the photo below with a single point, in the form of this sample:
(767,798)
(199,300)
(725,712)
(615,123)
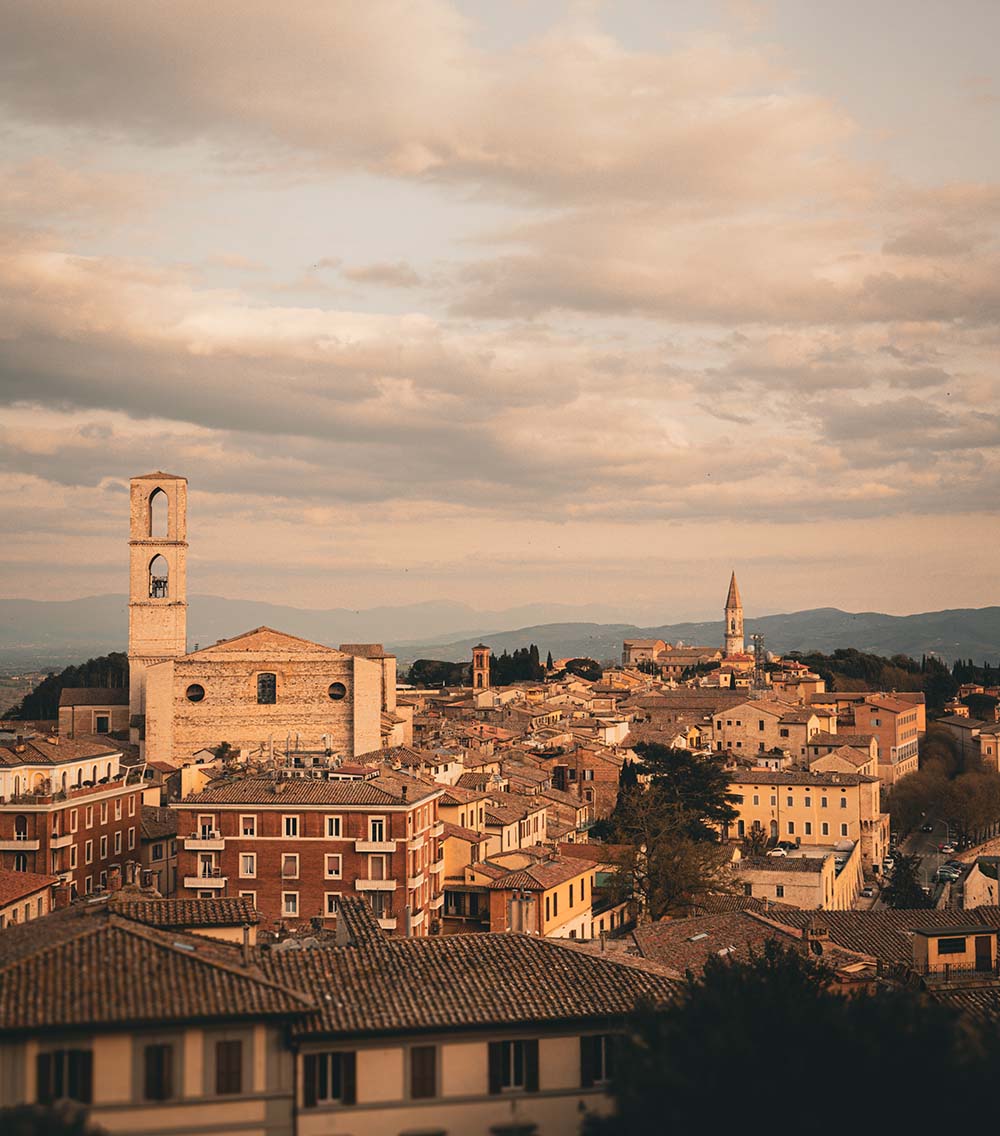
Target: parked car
(868,892)
(948,874)
(777,852)
(947,848)
(788,845)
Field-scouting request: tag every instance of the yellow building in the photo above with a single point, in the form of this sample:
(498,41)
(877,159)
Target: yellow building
(810,808)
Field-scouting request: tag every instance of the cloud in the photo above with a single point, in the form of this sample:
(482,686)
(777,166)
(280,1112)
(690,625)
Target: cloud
(398,275)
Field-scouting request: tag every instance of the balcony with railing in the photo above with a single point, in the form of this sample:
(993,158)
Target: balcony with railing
(206,840)
(375,885)
(437,866)
(206,878)
(437,829)
(415,843)
(61,840)
(374,846)
(413,882)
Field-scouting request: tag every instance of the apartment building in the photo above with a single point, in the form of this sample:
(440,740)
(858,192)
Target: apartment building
(68,808)
(763,725)
(296,846)
(898,725)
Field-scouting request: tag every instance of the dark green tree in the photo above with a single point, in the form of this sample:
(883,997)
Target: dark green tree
(699,787)
(904,890)
(779,1008)
(43,702)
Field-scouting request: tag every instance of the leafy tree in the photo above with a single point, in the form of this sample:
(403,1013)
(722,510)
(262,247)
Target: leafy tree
(904,890)
(436,672)
(43,702)
(698,787)
(778,1009)
(982,706)
(589,669)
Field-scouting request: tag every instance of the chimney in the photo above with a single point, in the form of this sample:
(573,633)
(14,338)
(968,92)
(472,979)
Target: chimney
(60,896)
(115,878)
(245,950)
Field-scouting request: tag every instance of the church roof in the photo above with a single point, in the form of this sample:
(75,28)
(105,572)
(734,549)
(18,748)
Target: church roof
(159,475)
(733,599)
(265,639)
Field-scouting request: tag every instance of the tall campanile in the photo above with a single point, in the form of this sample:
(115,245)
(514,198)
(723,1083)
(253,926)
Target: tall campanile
(157,601)
(734,620)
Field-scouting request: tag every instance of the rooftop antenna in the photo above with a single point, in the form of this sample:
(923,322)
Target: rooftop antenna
(759,660)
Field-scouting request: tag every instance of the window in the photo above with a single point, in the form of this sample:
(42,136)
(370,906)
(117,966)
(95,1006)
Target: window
(423,1072)
(376,830)
(334,867)
(290,903)
(809,802)
(104,847)
(73,816)
(571,895)
(195,692)
(65,1074)
(596,1059)
(248,865)
(329,1078)
(555,903)
(251,895)
(843,830)
(88,885)
(228,1067)
(756,798)
(333,827)
(951,946)
(783,732)
(825,828)
(790,801)
(88,852)
(548,909)
(102,723)
(760,724)
(748,889)
(118,808)
(131,838)
(336,691)
(72,855)
(291,825)
(158,1072)
(131,805)
(513,1067)
(90,816)
(843,802)
(774,801)
(290,866)
(791,828)
(332,903)
(248,825)
(809,828)
(267,689)
(118,843)
(104,812)
(779,891)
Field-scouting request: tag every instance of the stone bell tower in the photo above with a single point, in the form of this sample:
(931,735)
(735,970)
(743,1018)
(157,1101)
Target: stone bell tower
(734,620)
(480,667)
(157,600)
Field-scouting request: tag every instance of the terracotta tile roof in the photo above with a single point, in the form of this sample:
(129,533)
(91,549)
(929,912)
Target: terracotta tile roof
(883,934)
(19,885)
(810,864)
(97,970)
(473,781)
(542,876)
(40,751)
(684,944)
(93,696)
(822,738)
(223,911)
(719,904)
(799,777)
(459,982)
(158,823)
(456,795)
(458,833)
(386,789)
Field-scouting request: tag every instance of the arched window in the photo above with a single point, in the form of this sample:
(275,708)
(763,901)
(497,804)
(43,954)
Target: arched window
(159,578)
(93,775)
(20,827)
(109,770)
(65,782)
(267,689)
(79,776)
(158,506)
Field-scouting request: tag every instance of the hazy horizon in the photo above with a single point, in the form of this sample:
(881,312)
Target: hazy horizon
(445,299)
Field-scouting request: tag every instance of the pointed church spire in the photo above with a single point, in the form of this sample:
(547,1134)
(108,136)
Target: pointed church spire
(733,599)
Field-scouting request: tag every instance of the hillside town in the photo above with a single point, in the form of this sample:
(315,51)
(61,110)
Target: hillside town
(433,908)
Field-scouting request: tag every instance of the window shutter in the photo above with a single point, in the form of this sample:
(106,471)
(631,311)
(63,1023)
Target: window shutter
(588,1064)
(349,1077)
(168,1072)
(44,1088)
(84,1076)
(496,1066)
(531,1066)
(309,1080)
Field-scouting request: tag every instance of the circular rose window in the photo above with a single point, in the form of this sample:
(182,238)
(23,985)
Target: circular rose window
(337,691)
(195,692)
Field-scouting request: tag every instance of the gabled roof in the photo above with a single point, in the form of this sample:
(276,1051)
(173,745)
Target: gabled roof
(93,696)
(265,639)
(19,885)
(41,751)
(86,969)
(158,475)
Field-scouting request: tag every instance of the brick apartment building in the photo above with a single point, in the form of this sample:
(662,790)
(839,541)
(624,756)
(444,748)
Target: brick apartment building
(68,809)
(295,846)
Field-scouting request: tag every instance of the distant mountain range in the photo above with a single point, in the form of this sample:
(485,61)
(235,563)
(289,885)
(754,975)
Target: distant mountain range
(50,634)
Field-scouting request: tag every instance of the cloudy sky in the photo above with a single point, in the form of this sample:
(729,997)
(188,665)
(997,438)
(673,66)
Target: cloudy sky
(503,302)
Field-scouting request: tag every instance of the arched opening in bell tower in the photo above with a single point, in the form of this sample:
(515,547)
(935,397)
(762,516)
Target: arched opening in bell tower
(159,578)
(158,518)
